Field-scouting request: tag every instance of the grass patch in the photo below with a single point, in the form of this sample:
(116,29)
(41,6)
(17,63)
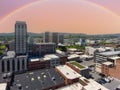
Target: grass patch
(77,64)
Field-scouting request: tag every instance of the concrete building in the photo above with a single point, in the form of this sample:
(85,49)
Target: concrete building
(74,57)
(54,59)
(30,40)
(47,37)
(53,37)
(12,46)
(103,57)
(10,63)
(91,50)
(50,37)
(20,38)
(61,38)
(82,41)
(40,49)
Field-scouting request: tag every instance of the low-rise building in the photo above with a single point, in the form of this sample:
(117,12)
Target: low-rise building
(68,74)
(105,68)
(93,84)
(3,86)
(91,50)
(112,68)
(84,84)
(72,50)
(103,57)
(82,70)
(74,57)
(49,60)
(44,79)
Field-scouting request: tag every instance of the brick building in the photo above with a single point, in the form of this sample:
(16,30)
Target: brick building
(112,68)
(70,76)
(83,70)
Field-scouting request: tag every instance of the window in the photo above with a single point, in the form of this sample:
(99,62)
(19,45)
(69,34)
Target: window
(2,66)
(18,64)
(13,65)
(23,64)
(8,65)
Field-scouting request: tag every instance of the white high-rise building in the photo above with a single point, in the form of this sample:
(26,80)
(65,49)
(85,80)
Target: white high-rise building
(20,38)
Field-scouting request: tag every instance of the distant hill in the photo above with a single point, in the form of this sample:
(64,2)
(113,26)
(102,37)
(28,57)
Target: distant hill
(66,34)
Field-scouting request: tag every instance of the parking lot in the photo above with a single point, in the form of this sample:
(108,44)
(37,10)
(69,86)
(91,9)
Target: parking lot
(96,76)
(112,85)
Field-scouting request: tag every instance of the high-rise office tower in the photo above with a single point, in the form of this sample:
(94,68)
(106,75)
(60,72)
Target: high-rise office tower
(20,38)
(61,38)
(55,38)
(51,37)
(47,37)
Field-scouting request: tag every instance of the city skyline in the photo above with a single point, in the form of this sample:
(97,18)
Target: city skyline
(63,16)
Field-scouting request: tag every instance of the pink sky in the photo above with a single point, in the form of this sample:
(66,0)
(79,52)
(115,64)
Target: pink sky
(62,15)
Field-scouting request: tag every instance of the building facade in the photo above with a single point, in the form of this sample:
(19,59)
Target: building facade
(53,37)
(100,58)
(20,38)
(40,49)
(13,64)
(61,38)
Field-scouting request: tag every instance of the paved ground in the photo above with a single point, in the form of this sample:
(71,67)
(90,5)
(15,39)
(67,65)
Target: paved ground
(88,63)
(113,85)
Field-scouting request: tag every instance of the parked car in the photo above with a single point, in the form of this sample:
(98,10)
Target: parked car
(101,81)
(107,80)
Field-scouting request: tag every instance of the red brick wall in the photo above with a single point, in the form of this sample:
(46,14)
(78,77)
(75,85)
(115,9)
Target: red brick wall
(38,65)
(105,70)
(115,71)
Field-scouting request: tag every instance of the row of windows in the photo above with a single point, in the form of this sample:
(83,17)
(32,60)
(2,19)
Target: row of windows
(20,26)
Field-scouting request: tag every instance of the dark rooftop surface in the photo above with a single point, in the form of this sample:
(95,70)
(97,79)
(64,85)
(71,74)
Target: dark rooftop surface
(37,80)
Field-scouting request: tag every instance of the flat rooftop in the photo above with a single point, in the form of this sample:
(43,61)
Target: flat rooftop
(45,43)
(89,84)
(77,65)
(110,53)
(47,57)
(68,72)
(37,80)
(10,54)
(108,63)
(93,84)
(72,49)
(114,58)
(73,56)
(75,86)
(52,56)
(3,86)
